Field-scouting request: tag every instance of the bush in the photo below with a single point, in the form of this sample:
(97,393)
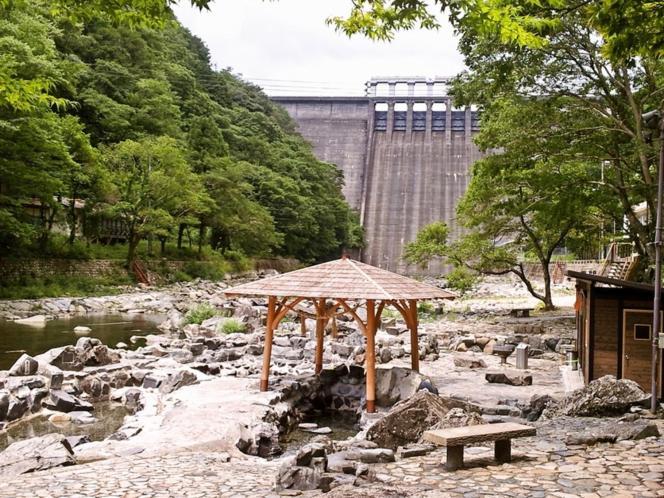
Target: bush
(425,308)
(199,314)
(63,286)
(232,326)
(462,279)
(206,270)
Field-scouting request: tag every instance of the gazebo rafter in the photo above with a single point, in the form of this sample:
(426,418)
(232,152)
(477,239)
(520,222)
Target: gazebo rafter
(341,281)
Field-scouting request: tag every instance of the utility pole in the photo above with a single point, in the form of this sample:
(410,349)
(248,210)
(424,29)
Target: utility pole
(654,119)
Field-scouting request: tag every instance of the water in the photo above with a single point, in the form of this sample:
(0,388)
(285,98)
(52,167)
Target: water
(109,419)
(343,426)
(16,338)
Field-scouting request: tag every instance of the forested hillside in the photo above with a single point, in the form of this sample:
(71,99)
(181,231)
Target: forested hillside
(136,123)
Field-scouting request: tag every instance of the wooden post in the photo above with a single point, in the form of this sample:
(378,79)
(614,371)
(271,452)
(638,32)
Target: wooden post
(320,334)
(267,350)
(303,325)
(371,356)
(503,450)
(335,332)
(414,346)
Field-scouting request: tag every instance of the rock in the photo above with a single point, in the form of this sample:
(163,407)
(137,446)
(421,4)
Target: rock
(614,432)
(81,330)
(329,481)
(385,355)
(604,396)
(59,418)
(64,358)
(95,387)
(468,362)
(25,365)
(538,403)
(17,408)
(319,430)
(75,441)
(371,455)
(426,385)
(79,417)
(101,355)
(63,402)
(5,398)
(306,454)
(87,343)
(39,453)
(458,417)
(38,396)
(302,478)
(414,450)
(407,420)
(396,384)
(176,381)
(35,320)
(488,348)
(509,378)
(121,345)
(307,425)
(482,341)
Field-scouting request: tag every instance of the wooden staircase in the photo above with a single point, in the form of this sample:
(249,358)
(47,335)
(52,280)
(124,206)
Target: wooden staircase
(140,272)
(620,263)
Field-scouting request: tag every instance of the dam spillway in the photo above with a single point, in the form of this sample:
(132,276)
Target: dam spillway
(405,156)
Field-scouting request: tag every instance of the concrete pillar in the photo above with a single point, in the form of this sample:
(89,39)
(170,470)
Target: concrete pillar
(390,118)
(411,88)
(429,123)
(448,120)
(391,88)
(409,116)
(429,88)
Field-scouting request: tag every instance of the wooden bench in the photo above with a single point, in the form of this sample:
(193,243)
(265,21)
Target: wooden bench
(520,312)
(456,438)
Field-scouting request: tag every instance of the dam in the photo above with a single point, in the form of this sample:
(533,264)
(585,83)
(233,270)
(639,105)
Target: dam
(405,153)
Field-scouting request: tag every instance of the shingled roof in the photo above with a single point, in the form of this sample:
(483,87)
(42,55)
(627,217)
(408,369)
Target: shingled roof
(341,279)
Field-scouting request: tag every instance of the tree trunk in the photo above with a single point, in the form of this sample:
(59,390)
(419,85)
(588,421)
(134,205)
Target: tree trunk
(548,298)
(72,214)
(163,245)
(180,234)
(201,237)
(134,239)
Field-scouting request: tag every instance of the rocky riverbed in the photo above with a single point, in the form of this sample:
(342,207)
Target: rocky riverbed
(193,388)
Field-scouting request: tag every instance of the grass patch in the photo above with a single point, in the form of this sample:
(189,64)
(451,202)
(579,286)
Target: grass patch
(199,314)
(64,286)
(232,326)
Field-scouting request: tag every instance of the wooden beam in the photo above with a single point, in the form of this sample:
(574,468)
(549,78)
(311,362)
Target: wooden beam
(414,343)
(355,316)
(371,356)
(303,324)
(267,349)
(285,307)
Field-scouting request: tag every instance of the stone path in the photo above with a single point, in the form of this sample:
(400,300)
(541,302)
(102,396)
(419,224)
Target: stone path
(626,469)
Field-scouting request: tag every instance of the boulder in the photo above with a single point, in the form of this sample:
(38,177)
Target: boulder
(613,432)
(5,398)
(509,378)
(467,361)
(604,396)
(371,455)
(176,381)
(101,355)
(39,453)
(64,358)
(61,401)
(96,388)
(35,320)
(396,384)
(488,347)
(25,365)
(407,420)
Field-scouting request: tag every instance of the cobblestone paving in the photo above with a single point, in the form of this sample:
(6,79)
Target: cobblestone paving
(626,469)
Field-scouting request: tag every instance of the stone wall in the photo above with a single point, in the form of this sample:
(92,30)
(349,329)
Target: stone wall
(15,269)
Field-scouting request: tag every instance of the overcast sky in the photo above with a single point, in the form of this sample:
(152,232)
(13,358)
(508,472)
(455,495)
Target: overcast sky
(285,47)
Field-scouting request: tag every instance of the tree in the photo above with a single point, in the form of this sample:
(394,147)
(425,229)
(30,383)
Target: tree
(153,188)
(523,201)
(628,28)
(430,243)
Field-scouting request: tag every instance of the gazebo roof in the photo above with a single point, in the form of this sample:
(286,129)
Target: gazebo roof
(341,279)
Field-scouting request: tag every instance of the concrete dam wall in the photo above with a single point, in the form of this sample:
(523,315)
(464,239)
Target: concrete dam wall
(405,159)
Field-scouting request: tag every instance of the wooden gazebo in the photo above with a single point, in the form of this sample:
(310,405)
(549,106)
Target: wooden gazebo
(341,287)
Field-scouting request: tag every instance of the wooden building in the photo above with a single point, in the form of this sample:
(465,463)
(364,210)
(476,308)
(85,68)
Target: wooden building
(614,329)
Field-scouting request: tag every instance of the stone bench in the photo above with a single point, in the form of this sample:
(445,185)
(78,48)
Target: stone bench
(456,438)
(521,312)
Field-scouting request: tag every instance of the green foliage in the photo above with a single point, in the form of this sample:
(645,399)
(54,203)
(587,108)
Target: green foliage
(116,103)
(58,286)
(232,326)
(207,270)
(462,279)
(430,243)
(425,308)
(629,28)
(200,313)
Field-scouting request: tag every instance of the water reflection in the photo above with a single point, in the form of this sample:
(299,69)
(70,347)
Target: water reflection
(109,417)
(16,338)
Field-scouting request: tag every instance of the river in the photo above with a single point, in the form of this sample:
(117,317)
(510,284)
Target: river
(16,338)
